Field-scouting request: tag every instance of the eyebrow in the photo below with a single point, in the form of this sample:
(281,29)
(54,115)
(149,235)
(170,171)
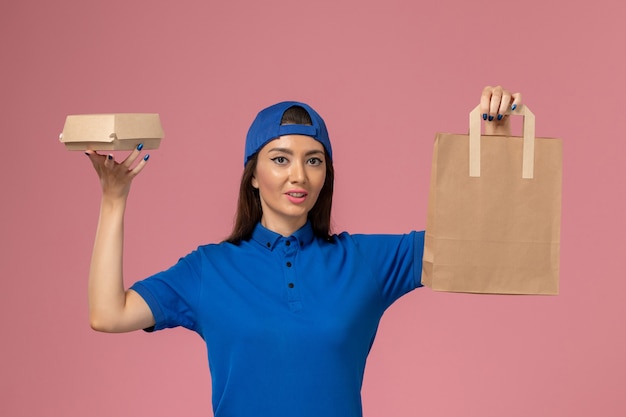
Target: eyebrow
(290,152)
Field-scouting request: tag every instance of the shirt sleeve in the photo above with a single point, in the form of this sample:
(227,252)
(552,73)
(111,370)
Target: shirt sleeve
(396,261)
(173,294)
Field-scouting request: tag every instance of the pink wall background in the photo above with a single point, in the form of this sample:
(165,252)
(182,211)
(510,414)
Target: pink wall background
(386,75)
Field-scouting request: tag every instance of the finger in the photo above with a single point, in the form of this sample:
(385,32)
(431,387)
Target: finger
(92,154)
(494,104)
(517,100)
(485,100)
(132,156)
(109,162)
(96,159)
(504,104)
(135,171)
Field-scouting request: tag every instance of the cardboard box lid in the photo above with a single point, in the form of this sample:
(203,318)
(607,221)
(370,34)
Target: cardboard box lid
(106,128)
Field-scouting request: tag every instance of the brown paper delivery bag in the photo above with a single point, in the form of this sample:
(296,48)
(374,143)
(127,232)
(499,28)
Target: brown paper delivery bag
(494,212)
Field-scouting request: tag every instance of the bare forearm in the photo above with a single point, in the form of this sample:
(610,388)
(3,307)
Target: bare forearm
(106,284)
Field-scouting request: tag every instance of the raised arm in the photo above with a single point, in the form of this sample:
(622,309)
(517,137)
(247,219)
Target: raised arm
(494,104)
(111,307)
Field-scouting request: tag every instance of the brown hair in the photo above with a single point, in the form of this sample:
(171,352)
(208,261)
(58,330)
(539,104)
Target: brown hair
(249,211)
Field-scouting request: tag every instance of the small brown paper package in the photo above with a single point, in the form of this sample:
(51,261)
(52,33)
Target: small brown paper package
(112,132)
(494,212)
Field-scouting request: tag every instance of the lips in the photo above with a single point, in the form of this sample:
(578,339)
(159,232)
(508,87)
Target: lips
(296,196)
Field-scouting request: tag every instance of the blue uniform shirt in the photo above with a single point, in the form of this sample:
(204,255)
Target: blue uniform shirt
(288,322)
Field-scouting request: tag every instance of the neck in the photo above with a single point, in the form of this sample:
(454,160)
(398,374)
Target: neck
(284,228)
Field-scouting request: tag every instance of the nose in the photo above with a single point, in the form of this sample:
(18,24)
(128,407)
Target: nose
(297,173)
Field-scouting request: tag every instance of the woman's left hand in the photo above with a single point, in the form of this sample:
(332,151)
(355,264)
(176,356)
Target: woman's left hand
(495,102)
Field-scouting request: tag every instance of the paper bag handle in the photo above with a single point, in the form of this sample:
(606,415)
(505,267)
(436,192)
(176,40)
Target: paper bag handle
(528,144)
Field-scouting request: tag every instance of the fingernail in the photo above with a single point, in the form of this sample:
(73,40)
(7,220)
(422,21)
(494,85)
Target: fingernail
(490,118)
(145,158)
(140,146)
(110,156)
(514,106)
(499,117)
(484,116)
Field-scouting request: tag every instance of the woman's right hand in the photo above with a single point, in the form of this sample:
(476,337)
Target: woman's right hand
(116,177)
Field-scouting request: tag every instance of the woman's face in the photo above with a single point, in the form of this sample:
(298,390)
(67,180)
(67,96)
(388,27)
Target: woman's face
(289,175)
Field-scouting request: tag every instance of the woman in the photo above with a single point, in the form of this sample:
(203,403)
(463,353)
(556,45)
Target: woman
(287,310)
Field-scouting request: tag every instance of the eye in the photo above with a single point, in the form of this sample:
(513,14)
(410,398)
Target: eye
(315,162)
(280,160)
